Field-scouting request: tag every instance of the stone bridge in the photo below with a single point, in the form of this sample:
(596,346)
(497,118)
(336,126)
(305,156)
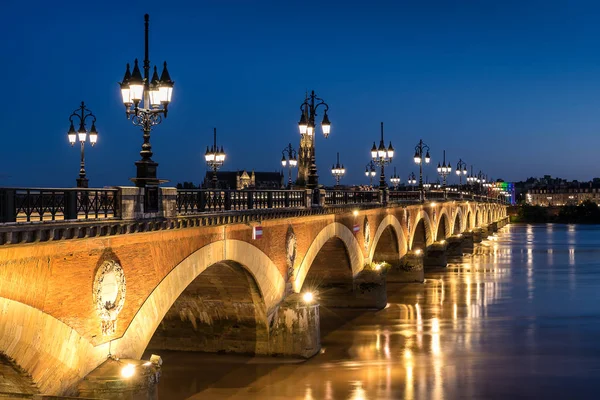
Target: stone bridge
(75,293)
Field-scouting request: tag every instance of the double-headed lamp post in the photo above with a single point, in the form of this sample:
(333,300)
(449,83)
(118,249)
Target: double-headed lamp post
(370,172)
(307,168)
(419,149)
(412,179)
(289,159)
(382,156)
(82,113)
(444,170)
(338,171)
(146,101)
(471,180)
(461,169)
(215,158)
(395,180)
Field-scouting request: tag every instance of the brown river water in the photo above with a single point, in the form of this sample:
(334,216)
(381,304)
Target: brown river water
(520,319)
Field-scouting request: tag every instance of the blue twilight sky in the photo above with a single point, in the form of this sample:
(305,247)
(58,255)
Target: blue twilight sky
(512,87)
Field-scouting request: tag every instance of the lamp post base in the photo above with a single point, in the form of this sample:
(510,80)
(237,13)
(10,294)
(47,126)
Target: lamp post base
(146,174)
(82,182)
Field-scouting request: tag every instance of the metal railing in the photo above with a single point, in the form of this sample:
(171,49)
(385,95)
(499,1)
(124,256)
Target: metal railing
(29,205)
(342,197)
(192,201)
(397,196)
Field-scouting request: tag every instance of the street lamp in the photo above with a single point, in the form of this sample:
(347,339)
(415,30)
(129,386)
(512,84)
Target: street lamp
(395,180)
(461,169)
(338,171)
(370,172)
(382,156)
(444,170)
(307,170)
(146,102)
(82,113)
(412,180)
(289,159)
(419,149)
(471,179)
(214,158)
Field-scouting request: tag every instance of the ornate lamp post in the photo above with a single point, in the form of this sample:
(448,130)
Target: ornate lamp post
(444,170)
(338,171)
(214,158)
(146,101)
(307,169)
(370,172)
(382,156)
(412,180)
(471,179)
(419,149)
(289,159)
(461,169)
(82,113)
(395,180)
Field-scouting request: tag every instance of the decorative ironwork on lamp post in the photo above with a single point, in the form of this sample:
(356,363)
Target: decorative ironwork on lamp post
(82,113)
(395,180)
(146,102)
(289,159)
(412,179)
(444,170)
(461,169)
(338,171)
(370,172)
(471,180)
(419,149)
(215,158)
(307,168)
(382,156)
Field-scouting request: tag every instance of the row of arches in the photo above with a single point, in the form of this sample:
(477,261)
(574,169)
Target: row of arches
(222,298)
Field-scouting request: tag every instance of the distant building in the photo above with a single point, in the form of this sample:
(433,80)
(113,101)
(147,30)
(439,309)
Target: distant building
(243,180)
(559,192)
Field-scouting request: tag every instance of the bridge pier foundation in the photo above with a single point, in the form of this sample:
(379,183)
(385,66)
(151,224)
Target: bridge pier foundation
(295,329)
(122,379)
(468,243)
(493,227)
(409,270)
(367,290)
(435,256)
(478,235)
(454,248)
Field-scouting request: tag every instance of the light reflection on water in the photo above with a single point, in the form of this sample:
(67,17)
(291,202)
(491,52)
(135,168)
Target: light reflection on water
(517,319)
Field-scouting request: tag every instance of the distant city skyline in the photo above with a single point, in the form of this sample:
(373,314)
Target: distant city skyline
(510,88)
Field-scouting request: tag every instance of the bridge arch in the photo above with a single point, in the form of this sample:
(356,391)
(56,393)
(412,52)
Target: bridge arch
(422,235)
(258,265)
(477,218)
(389,243)
(443,228)
(333,230)
(469,221)
(458,223)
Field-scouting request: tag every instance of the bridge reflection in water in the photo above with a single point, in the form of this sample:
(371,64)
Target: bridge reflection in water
(517,319)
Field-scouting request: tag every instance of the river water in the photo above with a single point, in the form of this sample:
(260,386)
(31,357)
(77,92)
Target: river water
(519,319)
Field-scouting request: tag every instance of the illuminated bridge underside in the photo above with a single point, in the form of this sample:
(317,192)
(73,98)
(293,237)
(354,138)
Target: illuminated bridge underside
(207,288)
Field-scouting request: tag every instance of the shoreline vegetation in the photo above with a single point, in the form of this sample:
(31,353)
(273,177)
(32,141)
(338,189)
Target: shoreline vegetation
(587,212)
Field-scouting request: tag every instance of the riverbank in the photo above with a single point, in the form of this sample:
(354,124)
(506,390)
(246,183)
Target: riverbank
(587,212)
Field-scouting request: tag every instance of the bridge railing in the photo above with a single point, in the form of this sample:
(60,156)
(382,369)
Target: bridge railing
(32,204)
(193,201)
(335,197)
(398,196)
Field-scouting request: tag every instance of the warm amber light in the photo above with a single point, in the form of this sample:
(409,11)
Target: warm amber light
(128,371)
(307,297)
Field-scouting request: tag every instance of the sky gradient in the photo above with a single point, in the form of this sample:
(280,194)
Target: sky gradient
(511,87)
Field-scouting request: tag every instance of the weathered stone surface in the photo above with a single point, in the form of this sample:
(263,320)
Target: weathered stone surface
(108,382)
(410,269)
(295,328)
(435,256)
(454,248)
